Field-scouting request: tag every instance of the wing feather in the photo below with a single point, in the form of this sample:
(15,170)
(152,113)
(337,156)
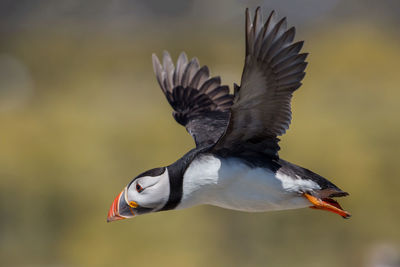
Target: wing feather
(199,101)
(262,104)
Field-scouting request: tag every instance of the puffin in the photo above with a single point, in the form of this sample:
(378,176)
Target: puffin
(235,163)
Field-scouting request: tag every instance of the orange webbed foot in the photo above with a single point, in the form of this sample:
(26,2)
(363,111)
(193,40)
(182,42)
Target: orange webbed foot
(327,204)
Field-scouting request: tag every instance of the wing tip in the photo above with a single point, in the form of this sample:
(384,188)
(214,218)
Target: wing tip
(155,59)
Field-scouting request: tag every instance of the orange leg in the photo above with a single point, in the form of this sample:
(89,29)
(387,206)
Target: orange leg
(323,205)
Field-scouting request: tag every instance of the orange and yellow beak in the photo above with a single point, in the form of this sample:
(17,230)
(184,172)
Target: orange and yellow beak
(120,209)
(113,213)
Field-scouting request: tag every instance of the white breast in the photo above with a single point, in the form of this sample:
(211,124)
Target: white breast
(231,184)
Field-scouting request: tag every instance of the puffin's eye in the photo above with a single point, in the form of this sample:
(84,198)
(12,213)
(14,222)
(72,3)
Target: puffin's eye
(139,188)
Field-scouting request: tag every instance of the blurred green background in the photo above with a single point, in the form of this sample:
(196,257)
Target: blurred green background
(81,114)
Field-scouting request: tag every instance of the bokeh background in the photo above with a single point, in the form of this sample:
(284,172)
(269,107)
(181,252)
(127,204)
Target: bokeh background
(81,114)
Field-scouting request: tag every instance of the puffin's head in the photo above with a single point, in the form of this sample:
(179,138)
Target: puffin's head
(148,192)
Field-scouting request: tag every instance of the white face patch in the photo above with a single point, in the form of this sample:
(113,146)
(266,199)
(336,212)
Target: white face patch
(150,191)
(292,184)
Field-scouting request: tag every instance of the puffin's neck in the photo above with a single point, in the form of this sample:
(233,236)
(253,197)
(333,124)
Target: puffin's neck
(176,172)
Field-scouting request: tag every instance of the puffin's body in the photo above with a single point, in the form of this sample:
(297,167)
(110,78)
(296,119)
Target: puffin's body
(230,183)
(235,164)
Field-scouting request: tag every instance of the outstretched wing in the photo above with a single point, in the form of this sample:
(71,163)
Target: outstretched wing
(200,102)
(273,71)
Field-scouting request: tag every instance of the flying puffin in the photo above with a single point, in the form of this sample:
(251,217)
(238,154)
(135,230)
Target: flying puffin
(235,164)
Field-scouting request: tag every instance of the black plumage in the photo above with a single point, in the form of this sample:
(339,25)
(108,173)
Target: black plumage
(200,102)
(247,124)
(273,71)
(328,189)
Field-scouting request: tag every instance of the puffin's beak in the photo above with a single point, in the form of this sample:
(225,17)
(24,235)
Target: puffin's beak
(113,213)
